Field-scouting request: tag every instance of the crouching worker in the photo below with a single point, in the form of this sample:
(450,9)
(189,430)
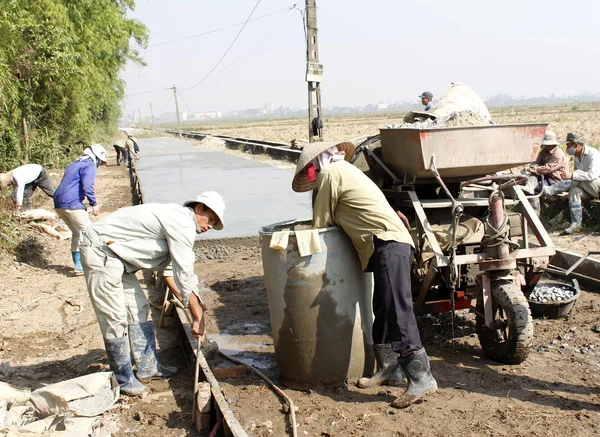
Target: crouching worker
(583,183)
(78,184)
(114,248)
(346,197)
(24,180)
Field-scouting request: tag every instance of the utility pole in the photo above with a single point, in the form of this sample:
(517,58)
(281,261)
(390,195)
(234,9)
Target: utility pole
(151,114)
(140,117)
(314,71)
(177,111)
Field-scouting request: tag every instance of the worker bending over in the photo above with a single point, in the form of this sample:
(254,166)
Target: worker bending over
(346,197)
(24,180)
(148,236)
(583,183)
(78,184)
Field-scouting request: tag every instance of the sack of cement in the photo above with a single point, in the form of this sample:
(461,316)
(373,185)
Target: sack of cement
(460,106)
(38,215)
(88,395)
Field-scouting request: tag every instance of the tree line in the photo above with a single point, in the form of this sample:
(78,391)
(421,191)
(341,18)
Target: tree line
(59,74)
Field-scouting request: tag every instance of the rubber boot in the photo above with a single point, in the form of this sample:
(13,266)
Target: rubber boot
(560,187)
(388,369)
(143,348)
(531,185)
(119,358)
(420,380)
(77,262)
(576,218)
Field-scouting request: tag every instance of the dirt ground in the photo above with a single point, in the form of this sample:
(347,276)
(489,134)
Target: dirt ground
(48,333)
(554,392)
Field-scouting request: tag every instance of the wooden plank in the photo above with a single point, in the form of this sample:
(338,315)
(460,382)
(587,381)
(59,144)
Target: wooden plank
(231,423)
(444,203)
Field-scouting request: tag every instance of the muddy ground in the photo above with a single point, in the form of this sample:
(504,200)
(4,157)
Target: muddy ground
(48,333)
(555,392)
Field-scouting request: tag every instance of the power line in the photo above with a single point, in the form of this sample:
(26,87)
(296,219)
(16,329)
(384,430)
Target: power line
(217,30)
(264,38)
(146,92)
(226,51)
(184,102)
(166,104)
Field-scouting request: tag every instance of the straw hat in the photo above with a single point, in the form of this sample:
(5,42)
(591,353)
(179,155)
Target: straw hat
(5,179)
(310,152)
(549,139)
(213,201)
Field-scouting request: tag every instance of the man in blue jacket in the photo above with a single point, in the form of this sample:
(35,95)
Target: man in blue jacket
(77,185)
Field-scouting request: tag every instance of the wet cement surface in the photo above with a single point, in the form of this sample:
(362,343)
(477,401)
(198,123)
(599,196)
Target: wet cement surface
(256,194)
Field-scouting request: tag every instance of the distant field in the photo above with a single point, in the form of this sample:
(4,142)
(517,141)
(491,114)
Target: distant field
(582,118)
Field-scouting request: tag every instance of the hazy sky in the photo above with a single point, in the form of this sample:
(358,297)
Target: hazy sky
(377,50)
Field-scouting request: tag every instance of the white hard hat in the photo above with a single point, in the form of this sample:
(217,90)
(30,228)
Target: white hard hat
(99,152)
(212,200)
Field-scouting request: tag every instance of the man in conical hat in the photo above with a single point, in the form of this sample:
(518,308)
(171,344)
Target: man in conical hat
(346,197)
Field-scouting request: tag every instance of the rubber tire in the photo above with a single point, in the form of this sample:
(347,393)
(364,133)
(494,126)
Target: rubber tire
(515,349)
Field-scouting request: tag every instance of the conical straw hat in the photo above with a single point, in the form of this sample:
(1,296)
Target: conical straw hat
(310,152)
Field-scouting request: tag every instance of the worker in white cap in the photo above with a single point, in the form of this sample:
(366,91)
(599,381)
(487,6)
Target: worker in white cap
(346,197)
(77,185)
(148,236)
(25,180)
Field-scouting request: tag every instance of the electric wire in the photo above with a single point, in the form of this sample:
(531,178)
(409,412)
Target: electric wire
(184,102)
(217,30)
(166,104)
(226,51)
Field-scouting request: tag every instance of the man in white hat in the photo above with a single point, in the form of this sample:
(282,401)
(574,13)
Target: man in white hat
(148,236)
(551,163)
(25,180)
(346,197)
(76,185)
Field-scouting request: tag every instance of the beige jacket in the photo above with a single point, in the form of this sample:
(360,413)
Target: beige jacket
(348,198)
(150,236)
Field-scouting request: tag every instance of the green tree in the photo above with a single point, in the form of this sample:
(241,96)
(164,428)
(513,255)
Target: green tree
(59,73)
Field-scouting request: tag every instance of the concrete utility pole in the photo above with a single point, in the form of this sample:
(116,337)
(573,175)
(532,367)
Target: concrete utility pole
(314,70)
(177,111)
(140,117)
(151,114)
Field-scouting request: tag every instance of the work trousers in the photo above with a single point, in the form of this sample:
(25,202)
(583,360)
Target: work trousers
(579,190)
(116,295)
(43,182)
(395,322)
(77,220)
(122,154)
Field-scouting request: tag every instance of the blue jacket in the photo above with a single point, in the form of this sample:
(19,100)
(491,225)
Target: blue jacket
(77,184)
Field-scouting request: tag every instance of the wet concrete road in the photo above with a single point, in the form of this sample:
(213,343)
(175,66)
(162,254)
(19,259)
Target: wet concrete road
(256,194)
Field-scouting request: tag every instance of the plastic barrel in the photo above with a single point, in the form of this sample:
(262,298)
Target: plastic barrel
(320,308)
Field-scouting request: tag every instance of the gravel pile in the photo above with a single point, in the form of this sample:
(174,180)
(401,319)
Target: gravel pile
(553,293)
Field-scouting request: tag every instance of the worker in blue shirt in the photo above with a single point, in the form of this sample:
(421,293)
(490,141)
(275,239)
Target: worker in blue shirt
(77,185)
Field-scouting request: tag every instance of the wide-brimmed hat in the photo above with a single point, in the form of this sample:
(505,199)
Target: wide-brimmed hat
(310,152)
(5,179)
(549,139)
(212,200)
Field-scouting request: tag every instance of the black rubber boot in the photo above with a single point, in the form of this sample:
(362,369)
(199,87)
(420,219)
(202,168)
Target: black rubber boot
(119,358)
(420,379)
(388,369)
(143,348)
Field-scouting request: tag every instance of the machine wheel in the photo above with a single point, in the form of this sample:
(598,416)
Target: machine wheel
(512,337)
